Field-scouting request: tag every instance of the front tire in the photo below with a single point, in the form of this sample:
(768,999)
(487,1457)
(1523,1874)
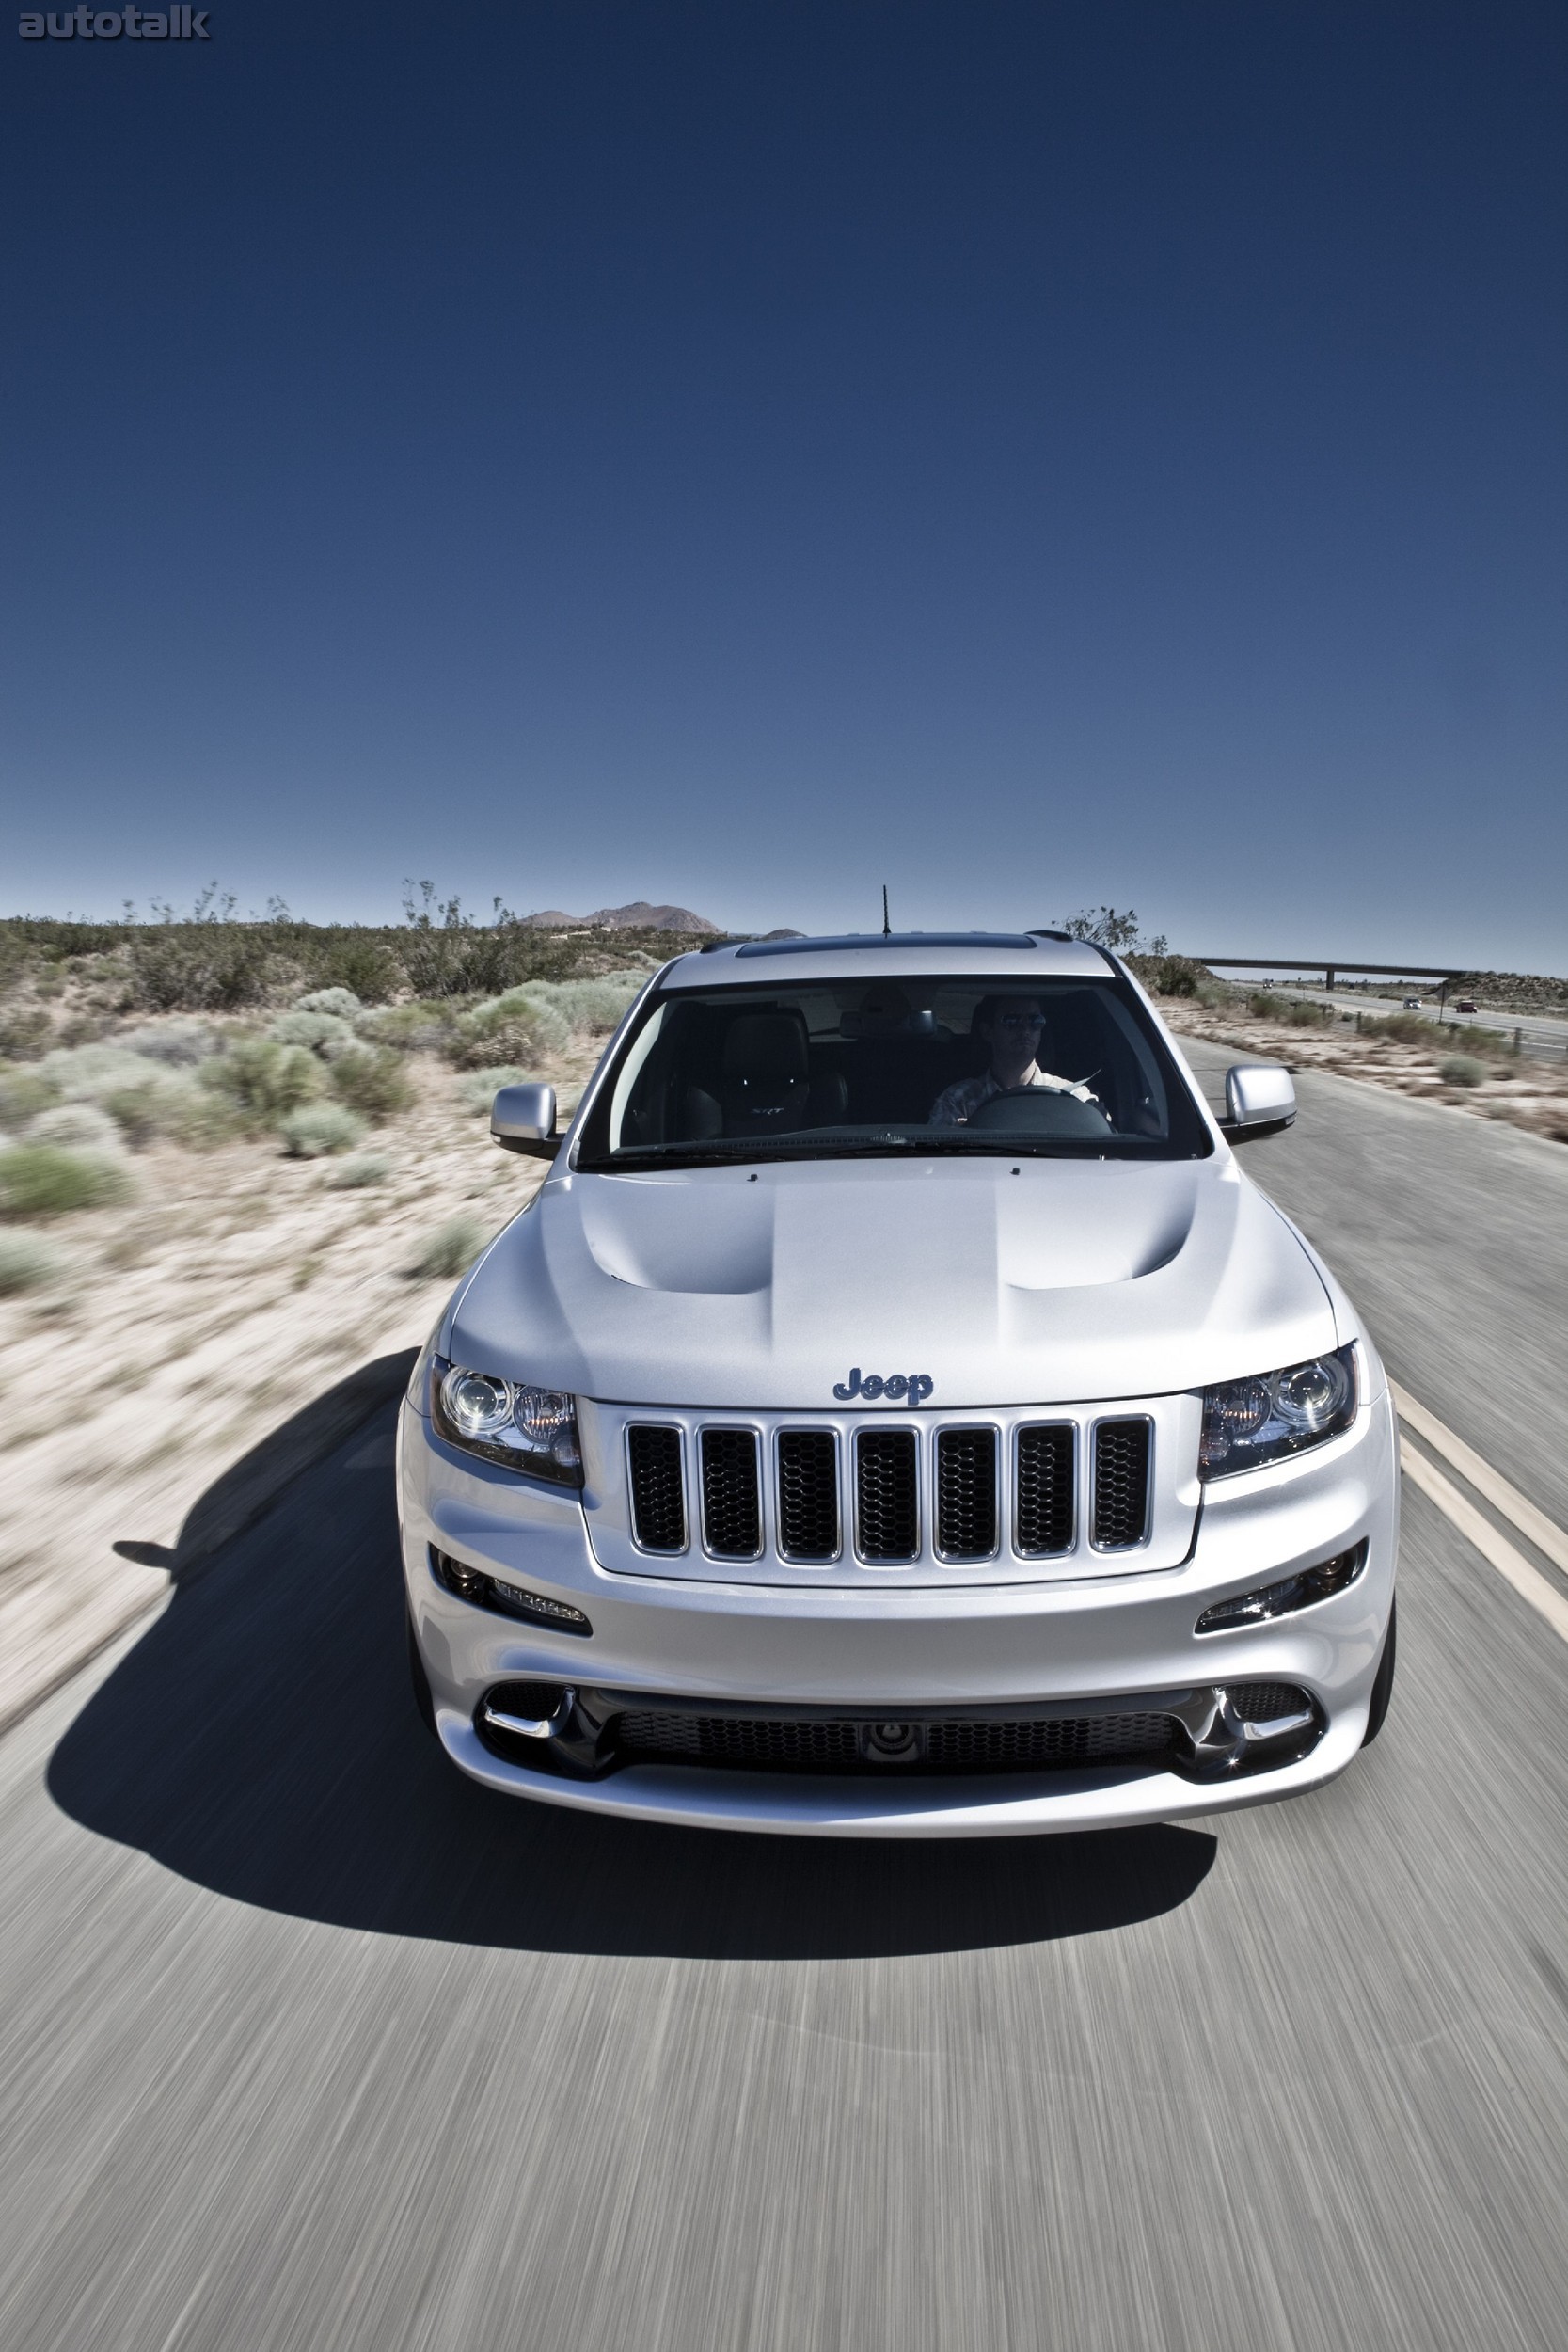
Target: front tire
(1383,1687)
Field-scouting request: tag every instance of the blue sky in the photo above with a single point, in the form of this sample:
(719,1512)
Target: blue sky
(739,454)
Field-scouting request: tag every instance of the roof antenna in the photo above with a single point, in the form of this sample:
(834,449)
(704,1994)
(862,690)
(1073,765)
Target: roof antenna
(887,926)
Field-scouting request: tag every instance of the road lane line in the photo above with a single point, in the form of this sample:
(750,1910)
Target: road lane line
(1541,1532)
(1527,1582)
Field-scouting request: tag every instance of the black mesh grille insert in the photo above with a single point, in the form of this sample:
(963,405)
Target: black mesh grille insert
(1120,1482)
(1263,1702)
(808,1494)
(966,1493)
(657,1505)
(755,1743)
(982,1747)
(732,1505)
(886,1509)
(1043,1503)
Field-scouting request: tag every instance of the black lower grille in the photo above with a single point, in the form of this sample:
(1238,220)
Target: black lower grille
(732,1502)
(1044,1499)
(1121,1484)
(1264,1702)
(966,1493)
(658,1505)
(760,1743)
(808,1495)
(887,1511)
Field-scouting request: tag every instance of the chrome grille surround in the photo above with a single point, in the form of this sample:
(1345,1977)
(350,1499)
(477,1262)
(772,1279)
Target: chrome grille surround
(825,1489)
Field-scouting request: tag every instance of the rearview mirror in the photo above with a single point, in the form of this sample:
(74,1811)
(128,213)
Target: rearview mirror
(522,1119)
(1260,1100)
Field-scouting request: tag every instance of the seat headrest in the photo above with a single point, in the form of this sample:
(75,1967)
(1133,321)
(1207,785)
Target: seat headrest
(768,1048)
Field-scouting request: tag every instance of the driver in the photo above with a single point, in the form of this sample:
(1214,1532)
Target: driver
(1011,1026)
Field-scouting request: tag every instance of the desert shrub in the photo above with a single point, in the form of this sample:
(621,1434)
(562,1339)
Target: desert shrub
(23,1032)
(85,1073)
(366,1168)
(450,1251)
(1302,1014)
(22,1094)
(200,967)
(593,1007)
(1405,1028)
(40,1180)
(175,1104)
(521,1026)
(372,1080)
(1462,1070)
(27,1263)
(363,967)
(1263,1006)
(317,1129)
(324,1033)
(182,1043)
(264,1080)
(342,1003)
(422,1027)
(477,1092)
(74,1127)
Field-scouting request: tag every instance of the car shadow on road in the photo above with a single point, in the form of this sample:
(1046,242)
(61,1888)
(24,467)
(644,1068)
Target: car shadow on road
(261,1739)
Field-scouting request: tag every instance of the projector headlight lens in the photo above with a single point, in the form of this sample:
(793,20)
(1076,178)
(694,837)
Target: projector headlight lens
(527,1429)
(1278,1413)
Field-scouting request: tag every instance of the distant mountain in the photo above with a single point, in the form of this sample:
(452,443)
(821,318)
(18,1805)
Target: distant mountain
(639,916)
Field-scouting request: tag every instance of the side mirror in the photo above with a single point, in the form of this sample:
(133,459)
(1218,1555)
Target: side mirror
(522,1119)
(1260,1100)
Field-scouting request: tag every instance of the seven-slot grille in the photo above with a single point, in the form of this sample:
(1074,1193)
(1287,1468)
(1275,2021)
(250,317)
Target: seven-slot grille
(887,1502)
(1042,1490)
(732,1496)
(1121,1484)
(808,1496)
(658,1503)
(966,1493)
(888,1468)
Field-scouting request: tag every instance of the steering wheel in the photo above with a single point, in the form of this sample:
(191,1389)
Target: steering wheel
(1043,1111)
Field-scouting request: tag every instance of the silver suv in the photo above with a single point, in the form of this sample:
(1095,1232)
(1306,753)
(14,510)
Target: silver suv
(896,1414)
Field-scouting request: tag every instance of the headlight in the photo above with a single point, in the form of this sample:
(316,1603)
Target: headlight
(1249,1421)
(532,1430)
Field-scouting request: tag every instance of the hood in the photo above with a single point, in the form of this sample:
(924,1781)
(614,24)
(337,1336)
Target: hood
(1063,1282)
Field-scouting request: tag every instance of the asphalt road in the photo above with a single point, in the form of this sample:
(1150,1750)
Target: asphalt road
(306,2042)
(1543,1034)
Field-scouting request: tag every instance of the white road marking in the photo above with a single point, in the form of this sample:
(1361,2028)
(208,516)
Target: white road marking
(1541,1532)
(1527,1582)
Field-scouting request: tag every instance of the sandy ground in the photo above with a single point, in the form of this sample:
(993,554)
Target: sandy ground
(1525,1092)
(237,1288)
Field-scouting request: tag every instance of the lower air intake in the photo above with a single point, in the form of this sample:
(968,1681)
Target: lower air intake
(757,1743)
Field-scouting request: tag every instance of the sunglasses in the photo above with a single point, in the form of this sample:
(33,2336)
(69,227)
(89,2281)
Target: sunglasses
(1020,1021)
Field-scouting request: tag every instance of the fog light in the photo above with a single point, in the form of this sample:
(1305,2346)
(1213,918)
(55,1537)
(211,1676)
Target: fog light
(1284,1599)
(512,1600)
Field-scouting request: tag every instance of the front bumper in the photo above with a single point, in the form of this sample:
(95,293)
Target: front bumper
(1089,1644)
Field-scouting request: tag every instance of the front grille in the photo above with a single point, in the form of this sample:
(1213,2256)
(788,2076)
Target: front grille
(966,1493)
(747,1743)
(658,1505)
(760,1743)
(1121,1484)
(887,1510)
(732,1502)
(1043,1503)
(808,1495)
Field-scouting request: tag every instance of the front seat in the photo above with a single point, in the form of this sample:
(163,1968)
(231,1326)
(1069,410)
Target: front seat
(766,1084)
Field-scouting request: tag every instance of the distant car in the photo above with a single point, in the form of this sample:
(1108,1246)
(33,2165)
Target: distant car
(1413,1004)
(1466,1004)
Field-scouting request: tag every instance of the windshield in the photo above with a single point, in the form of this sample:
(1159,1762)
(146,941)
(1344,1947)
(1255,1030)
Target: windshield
(1069,1069)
